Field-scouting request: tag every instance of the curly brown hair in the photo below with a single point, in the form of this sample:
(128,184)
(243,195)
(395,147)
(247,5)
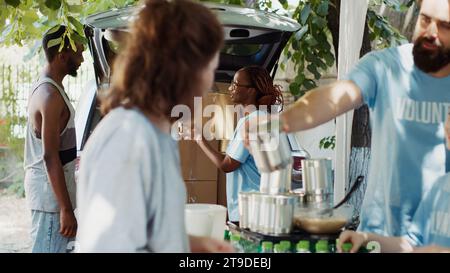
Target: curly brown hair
(268,93)
(171,42)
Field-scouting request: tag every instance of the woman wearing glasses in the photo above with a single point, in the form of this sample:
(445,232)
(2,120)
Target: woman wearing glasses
(252,90)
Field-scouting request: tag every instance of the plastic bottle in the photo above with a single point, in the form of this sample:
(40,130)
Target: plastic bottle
(346,247)
(322,246)
(279,248)
(235,242)
(266,247)
(286,245)
(303,247)
(226,235)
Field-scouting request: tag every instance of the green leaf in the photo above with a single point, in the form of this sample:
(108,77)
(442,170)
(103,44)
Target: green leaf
(301,32)
(329,59)
(72,44)
(13,3)
(295,45)
(309,84)
(305,13)
(75,8)
(319,22)
(29,17)
(53,4)
(54,42)
(284,3)
(77,25)
(311,41)
(294,88)
(322,10)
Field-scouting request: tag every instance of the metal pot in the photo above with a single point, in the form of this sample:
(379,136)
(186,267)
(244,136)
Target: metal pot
(244,209)
(270,149)
(276,214)
(317,180)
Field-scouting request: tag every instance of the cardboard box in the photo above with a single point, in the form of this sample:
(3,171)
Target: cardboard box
(195,165)
(201,192)
(222,189)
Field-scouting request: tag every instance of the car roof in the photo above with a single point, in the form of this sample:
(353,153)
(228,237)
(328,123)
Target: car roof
(228,14)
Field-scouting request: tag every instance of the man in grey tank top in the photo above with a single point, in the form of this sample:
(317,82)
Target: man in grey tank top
(50,147)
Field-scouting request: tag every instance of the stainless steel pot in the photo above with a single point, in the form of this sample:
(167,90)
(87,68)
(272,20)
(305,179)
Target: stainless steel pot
(270,149)
(276,214)
(244,209)
(318,180)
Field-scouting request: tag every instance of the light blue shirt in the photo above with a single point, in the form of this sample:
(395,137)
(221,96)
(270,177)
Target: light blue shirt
(431,224)
(132,196)
(407,112)
(245,178)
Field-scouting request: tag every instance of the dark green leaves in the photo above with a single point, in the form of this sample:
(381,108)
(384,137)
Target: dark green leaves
(284,3)
(328,142)
(14,3)
(53,4)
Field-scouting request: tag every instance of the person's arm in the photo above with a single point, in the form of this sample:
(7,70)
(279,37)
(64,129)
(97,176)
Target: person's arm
(51,110)
(223,162)
(431,249)
(208,245)
(387,244)
(321,105)
(447,130)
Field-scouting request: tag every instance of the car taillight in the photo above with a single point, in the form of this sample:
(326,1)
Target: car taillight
(298,163)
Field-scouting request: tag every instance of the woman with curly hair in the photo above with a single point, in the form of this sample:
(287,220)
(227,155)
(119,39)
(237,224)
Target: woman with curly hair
(254,90)
(131,193)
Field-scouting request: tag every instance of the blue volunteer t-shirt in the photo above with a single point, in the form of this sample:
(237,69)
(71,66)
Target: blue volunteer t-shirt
(407,112)
(244,179)
(431,224)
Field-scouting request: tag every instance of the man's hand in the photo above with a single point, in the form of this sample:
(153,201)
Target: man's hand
(68,224)
(431,249)
(209,245)
(447,131)
(356,238)
(260,123)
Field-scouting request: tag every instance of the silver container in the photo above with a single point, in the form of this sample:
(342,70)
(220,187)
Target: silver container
(284,214)
(276,214)
(318,180)
(276,182)
(244,209)
(254,211)
(270,149)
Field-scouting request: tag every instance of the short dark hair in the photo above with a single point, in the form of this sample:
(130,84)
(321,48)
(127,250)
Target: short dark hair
(51,49)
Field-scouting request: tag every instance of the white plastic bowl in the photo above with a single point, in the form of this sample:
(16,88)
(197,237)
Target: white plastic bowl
(205,220)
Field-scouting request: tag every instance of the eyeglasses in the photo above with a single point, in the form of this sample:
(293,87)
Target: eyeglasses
(235,84)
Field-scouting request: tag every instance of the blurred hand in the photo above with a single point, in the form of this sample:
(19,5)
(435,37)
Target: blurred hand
(356,238)
(259,123)
(68,224)
(431,249)
(447,131)
(209,245)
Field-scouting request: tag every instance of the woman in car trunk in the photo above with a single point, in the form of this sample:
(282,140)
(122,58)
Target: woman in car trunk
(131,193)
(253,90)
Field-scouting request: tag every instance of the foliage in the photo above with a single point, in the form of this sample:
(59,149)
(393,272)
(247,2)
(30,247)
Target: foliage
(328,143)
(24,21)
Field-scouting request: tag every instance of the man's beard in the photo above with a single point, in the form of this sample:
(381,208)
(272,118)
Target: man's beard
(427,60)
(72,68)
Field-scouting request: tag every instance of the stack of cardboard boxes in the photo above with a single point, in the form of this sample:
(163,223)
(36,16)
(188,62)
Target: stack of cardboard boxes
(204,182)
